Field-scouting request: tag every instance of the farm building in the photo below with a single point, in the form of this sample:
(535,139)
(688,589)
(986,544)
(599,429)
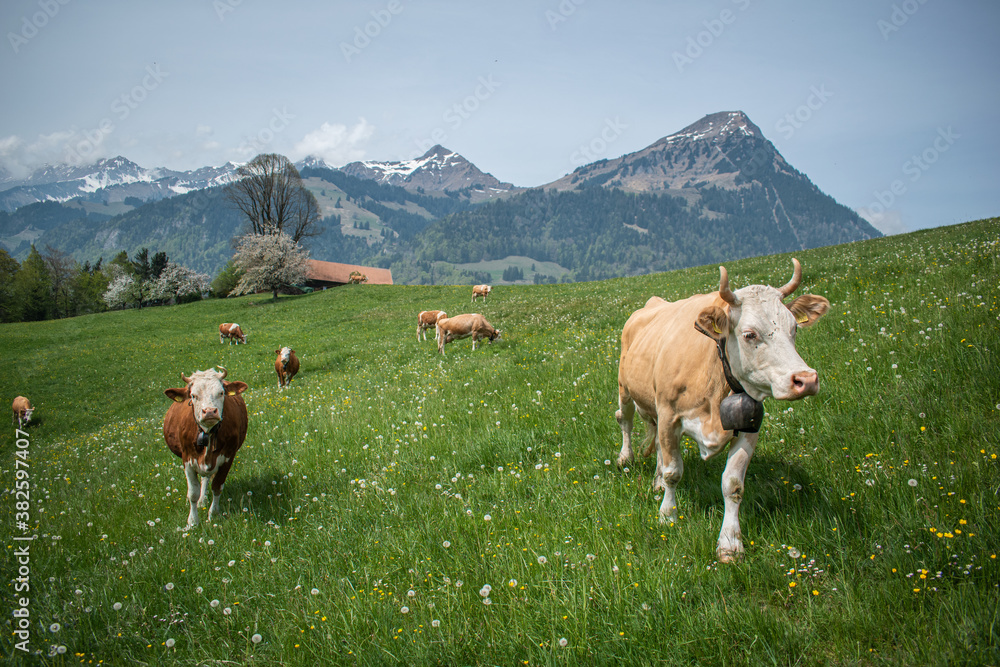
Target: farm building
(331,274)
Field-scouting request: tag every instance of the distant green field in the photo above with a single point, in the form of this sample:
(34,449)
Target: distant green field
(376,499)
(496,267)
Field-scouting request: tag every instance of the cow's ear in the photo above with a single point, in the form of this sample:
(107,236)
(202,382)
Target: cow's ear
(808,308)
(277,351)
(177,394)
(235,388)
(713,322)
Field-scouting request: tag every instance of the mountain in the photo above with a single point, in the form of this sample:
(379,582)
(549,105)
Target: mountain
(108,181)
(716,190)
(439,169)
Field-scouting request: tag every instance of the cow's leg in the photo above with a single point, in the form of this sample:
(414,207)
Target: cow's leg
(193,494)
(730,538)
(203,496)
(218,482)
(669,465)
(625,414)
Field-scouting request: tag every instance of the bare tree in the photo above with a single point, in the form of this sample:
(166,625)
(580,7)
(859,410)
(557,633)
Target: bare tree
(269,262)
(271,195)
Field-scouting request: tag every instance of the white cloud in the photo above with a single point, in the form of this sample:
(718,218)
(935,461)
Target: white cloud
(887,222)
(21,157)
(335,143)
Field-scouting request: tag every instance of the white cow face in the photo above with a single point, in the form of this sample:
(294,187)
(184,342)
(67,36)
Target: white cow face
(27,415)
(760,337)
(207,393)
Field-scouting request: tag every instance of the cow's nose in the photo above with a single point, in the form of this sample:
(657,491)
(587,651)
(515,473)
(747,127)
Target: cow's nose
(209,412)
(805,383)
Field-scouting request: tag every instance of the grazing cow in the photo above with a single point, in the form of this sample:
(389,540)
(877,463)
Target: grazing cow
(480,290)
(286,366)
(356,278)
(22,411)
(232,332)
(205,426)
(427,319)
(463,326)
(681,360)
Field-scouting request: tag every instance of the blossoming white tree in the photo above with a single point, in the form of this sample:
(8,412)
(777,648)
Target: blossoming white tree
(176,282)
(270,262)
(121,287)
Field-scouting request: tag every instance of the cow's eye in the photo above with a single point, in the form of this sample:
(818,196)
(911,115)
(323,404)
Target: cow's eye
(749,335)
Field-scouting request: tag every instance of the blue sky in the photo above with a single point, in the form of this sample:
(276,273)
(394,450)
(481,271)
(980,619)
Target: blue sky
(890,106)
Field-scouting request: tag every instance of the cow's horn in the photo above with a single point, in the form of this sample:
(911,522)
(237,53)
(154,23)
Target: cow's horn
(792,284)
(724,291)
(224,372)
(186,379)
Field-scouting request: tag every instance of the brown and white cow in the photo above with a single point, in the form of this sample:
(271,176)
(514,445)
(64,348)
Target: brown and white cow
(21,411)
(286,366)
(205,426)
(233,332)
(671,372)
(463,326)
(427,319)
(480,290)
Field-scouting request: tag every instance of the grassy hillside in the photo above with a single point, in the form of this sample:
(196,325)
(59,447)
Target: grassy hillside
(375,499)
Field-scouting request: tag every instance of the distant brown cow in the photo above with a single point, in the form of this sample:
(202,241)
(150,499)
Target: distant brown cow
(481,290)
(22,411)
(205,426)
(356,278)
(463,326)
(233,332)
(427,319)
(286,366)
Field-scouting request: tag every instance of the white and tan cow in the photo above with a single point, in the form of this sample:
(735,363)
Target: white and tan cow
(427,319)
(205,426)
(286,366)
(22,410)
(480,291)
(233,332)
(671,371)
(463,326)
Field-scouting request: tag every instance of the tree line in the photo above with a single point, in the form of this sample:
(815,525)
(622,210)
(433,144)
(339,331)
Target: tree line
(52,285)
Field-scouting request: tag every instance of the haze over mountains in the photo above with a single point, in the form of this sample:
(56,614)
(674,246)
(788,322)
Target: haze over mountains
(718,189)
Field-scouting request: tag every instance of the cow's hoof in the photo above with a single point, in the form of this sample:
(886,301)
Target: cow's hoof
(728,556)
(624,460)
(668,519)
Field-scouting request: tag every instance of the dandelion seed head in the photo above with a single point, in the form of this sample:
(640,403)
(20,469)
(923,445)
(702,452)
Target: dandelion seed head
(256,639)
(170,642)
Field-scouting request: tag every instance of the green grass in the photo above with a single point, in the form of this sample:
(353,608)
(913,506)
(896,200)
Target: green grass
(373,476)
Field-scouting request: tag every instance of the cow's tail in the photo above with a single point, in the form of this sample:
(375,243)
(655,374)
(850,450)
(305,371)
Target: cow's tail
(649,440)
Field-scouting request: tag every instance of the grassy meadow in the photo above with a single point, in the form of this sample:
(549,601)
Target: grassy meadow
(399,507)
